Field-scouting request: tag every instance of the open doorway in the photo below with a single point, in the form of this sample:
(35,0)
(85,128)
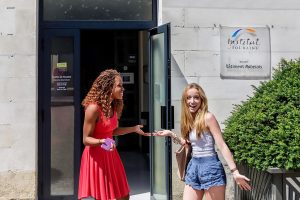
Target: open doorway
(127,52)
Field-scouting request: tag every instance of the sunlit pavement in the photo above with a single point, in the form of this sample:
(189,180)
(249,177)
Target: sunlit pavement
(143,196)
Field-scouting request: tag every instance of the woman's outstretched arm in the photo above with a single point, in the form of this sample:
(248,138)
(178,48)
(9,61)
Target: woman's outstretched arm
(133,129)
(176,139)
(215,130)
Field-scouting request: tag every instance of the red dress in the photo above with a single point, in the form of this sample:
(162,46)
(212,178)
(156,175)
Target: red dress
(102,173)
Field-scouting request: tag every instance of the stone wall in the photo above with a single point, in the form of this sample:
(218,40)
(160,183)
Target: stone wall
(18,99)
(195,45)
(17,185)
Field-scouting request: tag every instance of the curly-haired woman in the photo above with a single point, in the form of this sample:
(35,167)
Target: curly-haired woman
(205,174)
(102,175)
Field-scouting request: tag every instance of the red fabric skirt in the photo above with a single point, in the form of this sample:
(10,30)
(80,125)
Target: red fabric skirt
(102,175)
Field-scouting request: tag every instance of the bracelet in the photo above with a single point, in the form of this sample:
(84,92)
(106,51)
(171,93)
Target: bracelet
(233,170)
(176,139)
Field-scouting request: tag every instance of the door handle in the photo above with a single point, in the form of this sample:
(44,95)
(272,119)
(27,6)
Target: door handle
(171,118)
(163,117)
(163,111)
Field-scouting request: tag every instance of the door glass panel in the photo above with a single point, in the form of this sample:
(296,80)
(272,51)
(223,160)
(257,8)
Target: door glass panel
(112,10)
(62,116)
(159,94)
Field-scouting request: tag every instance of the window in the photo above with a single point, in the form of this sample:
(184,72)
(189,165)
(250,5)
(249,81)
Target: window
(102,10)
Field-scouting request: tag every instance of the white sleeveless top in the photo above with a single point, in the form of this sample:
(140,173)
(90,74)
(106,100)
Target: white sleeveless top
(203,146)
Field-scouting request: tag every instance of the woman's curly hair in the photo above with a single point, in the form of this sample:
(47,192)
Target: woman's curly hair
(101,92)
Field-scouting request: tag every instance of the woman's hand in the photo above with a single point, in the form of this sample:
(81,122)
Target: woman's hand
(137,129)
(175,138)
(107,144)
(241,181)
(163,133)
(112,147)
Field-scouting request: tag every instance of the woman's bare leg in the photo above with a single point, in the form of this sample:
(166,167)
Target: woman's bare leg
(191,194)
(215,193)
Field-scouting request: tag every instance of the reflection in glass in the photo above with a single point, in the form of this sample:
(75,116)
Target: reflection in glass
(62,116)
(159,154)
(62,148)
(113,10)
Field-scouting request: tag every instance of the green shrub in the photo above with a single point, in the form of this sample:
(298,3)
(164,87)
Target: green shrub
(264,131)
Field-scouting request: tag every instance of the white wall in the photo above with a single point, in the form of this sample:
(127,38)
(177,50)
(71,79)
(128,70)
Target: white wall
(18,98)
(195,44)
(196,41)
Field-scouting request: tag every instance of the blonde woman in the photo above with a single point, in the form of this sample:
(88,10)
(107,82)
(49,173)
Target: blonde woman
(205,173)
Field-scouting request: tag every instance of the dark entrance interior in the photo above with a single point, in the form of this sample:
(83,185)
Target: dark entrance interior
(122,50)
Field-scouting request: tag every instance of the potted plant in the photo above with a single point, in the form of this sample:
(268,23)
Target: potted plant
(263,133)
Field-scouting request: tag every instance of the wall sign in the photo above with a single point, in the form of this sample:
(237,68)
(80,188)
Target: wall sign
(61,78)
(245,52)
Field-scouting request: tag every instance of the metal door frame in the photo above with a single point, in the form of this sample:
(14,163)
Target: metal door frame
(44,115)
(167,113)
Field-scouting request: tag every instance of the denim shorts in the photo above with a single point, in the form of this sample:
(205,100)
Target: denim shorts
(205,172)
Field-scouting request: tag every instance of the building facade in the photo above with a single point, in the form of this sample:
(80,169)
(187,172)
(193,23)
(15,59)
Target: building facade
(32,105)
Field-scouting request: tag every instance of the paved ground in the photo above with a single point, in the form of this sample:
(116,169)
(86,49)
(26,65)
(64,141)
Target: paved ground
(142,196)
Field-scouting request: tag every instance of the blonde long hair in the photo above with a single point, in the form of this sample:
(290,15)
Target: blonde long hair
(188,123)
(101,91)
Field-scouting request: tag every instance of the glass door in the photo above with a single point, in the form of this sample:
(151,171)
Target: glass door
(160,115)
(59,110)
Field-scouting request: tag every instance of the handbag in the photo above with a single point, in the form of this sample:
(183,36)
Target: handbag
(183,156)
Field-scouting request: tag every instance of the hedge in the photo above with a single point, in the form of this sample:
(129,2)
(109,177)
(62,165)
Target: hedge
(264,130)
